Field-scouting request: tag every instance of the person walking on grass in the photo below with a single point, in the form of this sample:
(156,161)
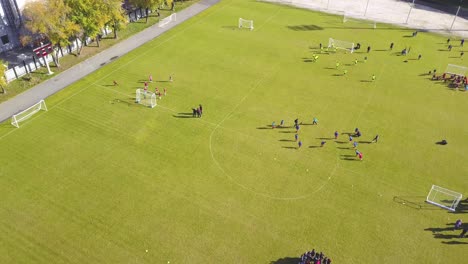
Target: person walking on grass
(350,138)
(368,49)
(336,134)
(299,144)
(281,123)
(297,128)
(150,78)
(355,144)
(419,56)
(296,136)
(315,121)
(462,41)
(391,46)
(360,156)
(461,54)
(273,124)
(201,109)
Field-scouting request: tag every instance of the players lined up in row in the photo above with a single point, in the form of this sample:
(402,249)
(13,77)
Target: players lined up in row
(312,257)
(455,81)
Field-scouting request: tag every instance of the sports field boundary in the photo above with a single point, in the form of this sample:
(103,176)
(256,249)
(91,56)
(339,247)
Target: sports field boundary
(82,69)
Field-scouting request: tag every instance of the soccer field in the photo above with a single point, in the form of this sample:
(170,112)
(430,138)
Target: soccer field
(100,179)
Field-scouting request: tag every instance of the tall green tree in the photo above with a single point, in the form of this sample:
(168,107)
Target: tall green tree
(114,15)
(88,14)
(49,19)
(147,5)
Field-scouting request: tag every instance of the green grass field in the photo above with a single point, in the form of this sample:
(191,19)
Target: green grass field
(100,179)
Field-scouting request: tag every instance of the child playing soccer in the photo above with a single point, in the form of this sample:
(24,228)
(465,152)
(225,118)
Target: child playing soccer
(150,78)
(315,121)
(115,83)
(299,144)
(281,123)
(322,143)
(273,125)
(336,134)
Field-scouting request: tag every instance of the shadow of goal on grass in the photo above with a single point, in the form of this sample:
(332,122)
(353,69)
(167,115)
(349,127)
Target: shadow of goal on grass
(414,202)
(286,260)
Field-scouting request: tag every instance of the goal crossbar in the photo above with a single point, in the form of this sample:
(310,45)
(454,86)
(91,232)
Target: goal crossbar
(444,198)
(340,44)
(456,69)
(28,112)
(167,20)
(245,23)
(145,98)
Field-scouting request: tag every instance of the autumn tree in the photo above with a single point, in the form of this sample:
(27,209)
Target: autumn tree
(114,15)
(3,82)
(49,19)
(147,5)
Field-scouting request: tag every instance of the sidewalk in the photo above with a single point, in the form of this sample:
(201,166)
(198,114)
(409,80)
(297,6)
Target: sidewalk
(75,73)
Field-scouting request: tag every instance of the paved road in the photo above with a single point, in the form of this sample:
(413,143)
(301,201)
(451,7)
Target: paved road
(67,77)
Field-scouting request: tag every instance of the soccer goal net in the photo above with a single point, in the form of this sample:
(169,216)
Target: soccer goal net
(340,44)
(444,198)
(167,20)
(244,23)
(347,18)
(25,114)
(456,69)
(145,98)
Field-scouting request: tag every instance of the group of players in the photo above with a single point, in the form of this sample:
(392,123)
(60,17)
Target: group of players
(297,125)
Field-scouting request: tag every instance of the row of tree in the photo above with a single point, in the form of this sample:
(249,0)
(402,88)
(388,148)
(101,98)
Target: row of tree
(62,21)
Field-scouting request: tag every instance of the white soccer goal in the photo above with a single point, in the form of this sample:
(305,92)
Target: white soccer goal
(167,20)
(25,114)
(340,44)
(444,198)
(456,69)
(244,23)
(145,98)
(349,18)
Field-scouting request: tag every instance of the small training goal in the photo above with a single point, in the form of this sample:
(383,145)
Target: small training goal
(167,20)
(443,197)
(348,18)
(456,70)
(245,23)
(340,44)
(145,98)
(25,114)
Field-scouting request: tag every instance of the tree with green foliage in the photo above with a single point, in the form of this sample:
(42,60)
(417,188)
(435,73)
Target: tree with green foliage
(88,15)
(147,5)
(49,19)
(114,15)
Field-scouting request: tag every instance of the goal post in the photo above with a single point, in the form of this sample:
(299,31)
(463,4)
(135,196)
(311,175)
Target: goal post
(145,98)
(245,23)
(443,197)
(167,20)
(340,44)
(27,113)
(349,18)
(456,69)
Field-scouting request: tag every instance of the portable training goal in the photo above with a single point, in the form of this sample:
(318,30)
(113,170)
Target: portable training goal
(348,18)
(27,113)
(145,98)
(340,44)
(245,23)
(444,198)
(456,69)
(167,20)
